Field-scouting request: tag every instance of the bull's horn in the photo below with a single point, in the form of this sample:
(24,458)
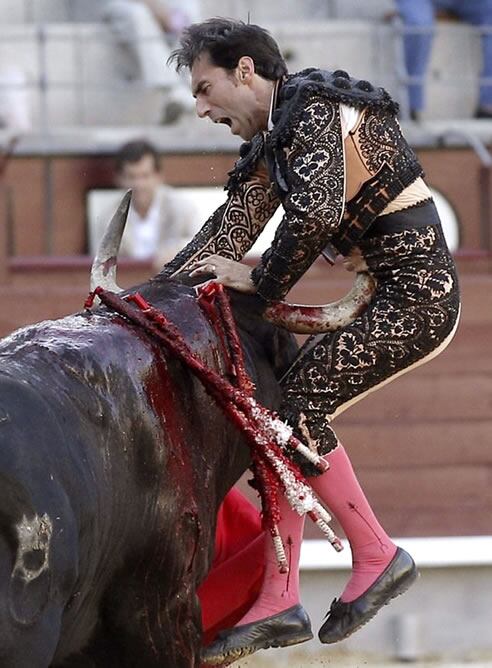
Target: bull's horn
(104,267)
(328,318)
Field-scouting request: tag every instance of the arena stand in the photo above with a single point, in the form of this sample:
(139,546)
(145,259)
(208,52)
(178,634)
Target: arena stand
(421,445)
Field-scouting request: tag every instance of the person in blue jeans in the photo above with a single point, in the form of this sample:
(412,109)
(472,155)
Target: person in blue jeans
(420,14)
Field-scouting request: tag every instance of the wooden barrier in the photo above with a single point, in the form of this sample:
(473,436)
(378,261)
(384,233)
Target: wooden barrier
(4,270)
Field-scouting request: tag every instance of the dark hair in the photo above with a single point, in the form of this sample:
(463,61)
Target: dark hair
(134,151)
(226,40)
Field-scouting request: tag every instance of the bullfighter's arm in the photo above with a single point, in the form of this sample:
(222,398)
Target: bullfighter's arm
(314,205)
(234,227)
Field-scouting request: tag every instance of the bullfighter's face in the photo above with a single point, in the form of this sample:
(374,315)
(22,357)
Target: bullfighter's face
(239,98)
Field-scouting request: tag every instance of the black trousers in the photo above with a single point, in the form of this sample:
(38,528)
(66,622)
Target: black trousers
(412,317)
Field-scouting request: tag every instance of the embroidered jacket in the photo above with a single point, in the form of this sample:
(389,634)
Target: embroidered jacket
(332,188)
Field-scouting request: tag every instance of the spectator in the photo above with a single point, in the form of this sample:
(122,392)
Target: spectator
(160,219)
(146,31)
(419,15)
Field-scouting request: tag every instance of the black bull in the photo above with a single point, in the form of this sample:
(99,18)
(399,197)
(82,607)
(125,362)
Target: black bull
(113,463)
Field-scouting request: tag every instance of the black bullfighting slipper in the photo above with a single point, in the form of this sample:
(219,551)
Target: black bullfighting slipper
(289,627)
(345,618)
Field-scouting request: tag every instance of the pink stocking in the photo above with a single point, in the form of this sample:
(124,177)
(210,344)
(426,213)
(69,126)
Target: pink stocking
(372,549)
(279,591)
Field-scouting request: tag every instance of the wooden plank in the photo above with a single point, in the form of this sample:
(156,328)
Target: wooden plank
(197,170)
(430,522)
(4,272)
(72,179)
(434,487)
(420,444)
(35,296)
(456,521)
(439,501)
(420,397)
(25,178)
(461,355)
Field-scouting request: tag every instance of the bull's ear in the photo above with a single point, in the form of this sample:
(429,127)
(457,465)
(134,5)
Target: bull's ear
(104,267)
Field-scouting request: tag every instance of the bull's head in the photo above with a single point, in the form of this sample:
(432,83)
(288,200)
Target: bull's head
(293,317)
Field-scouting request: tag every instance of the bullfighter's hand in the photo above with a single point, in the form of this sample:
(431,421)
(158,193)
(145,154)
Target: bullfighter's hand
(228,272)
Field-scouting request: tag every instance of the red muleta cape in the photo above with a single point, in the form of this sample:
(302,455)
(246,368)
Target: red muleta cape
(235,577)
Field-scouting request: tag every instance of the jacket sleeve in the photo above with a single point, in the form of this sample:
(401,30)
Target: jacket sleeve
(234,227)
(314,172)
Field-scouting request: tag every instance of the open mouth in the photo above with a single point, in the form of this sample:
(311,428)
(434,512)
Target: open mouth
(224,120)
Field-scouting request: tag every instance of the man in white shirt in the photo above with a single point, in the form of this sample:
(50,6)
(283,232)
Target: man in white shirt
(160,219)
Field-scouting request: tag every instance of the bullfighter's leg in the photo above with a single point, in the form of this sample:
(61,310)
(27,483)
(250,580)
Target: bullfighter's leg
(281,588)
(412,318)
(277,618)
(380,570)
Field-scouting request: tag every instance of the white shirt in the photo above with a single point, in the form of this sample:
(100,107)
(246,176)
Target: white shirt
(146,231)
(349,117)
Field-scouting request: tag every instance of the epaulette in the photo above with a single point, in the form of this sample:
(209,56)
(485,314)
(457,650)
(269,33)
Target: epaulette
(337,87)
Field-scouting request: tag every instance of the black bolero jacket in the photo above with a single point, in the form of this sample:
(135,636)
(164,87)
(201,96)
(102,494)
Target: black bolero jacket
(301,163)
